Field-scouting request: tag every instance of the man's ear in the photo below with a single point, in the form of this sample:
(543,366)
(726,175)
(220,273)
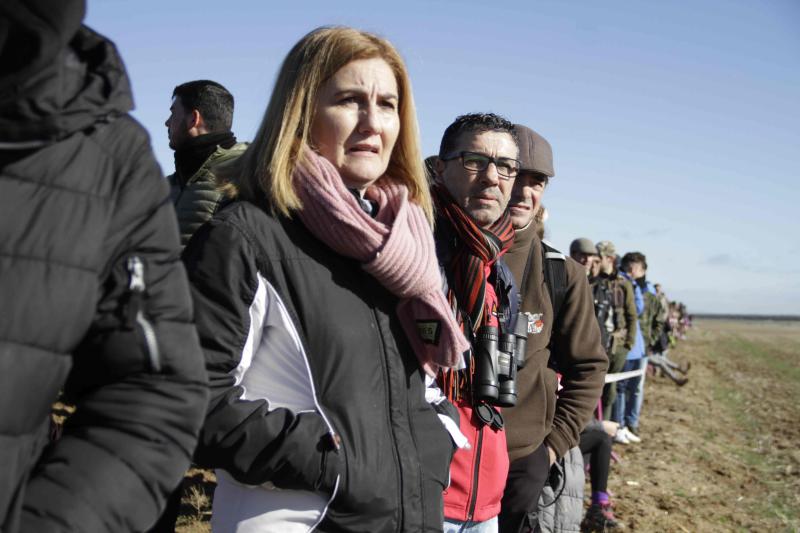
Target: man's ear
(194,119)
(439,167)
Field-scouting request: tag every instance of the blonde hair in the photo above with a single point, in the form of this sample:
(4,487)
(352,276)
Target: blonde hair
(267,165)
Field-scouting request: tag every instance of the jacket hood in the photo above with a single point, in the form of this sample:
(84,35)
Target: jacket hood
(58,77)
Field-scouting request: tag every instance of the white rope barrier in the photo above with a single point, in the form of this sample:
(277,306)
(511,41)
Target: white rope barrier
(611,378)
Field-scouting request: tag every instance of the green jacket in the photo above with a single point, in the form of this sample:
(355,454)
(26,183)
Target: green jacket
(624,335)
(197,202)
(652,320)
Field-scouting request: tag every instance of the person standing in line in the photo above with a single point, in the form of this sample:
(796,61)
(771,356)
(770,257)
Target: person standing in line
(623,335)
(584,252)
(652,322)
(660,347)
(199,130)
(320,307)
(475,172)
(546,421)
(628,390)
(95,300)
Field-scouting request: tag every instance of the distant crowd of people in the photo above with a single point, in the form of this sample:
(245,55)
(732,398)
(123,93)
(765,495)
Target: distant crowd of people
(638,325)
(353,337)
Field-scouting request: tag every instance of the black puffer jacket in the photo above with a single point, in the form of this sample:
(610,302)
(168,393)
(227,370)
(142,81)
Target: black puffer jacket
(301,343)
(95,301)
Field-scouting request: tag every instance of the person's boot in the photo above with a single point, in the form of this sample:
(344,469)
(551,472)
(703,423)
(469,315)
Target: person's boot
(599,517)
(680,382)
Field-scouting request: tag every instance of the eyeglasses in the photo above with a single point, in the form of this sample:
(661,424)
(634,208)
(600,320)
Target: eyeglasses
(507,168)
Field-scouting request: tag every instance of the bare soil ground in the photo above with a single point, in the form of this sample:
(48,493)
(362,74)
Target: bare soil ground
(719,454)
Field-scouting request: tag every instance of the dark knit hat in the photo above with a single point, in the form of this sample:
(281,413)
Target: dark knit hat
(535,152)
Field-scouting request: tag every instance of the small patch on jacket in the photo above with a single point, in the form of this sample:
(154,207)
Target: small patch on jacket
(429,331)
(535,322)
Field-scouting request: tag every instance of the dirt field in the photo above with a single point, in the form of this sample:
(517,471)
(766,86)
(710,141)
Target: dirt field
(719,454)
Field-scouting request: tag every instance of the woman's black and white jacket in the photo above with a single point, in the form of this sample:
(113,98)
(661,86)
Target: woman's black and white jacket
(304,350)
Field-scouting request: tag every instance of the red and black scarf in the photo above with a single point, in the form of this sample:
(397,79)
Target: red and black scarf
(475,249)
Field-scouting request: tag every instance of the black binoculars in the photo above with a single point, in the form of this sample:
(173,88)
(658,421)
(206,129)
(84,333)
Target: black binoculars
(496,358)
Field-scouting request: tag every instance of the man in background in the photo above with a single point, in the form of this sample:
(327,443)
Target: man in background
(584,252)
(625,410)
(563,340)
(623,335)
(199,130)
(652,322)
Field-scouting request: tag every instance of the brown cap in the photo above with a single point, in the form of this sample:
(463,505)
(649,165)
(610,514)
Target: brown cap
(535,152)
(606,249)
(584,246)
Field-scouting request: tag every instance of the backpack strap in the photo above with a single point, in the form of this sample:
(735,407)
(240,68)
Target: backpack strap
(555,276)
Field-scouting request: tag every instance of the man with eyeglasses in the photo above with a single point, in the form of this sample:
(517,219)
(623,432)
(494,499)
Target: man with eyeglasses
(563,347)
(473,177)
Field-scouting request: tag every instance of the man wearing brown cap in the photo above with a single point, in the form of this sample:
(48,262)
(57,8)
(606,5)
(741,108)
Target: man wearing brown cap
(624,334)
(543,426)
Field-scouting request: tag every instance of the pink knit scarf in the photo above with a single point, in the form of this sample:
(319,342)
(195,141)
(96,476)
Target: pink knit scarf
(396,248)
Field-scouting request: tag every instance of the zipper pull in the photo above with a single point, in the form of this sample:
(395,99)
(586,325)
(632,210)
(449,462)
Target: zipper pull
(136,271)
(136,289)
(136,316)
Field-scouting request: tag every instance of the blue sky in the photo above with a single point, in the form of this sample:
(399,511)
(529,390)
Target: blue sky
(675,125)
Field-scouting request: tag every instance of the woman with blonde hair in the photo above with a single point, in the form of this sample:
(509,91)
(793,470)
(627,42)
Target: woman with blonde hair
(320,310)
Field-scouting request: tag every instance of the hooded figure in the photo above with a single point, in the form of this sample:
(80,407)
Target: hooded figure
(95,301)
